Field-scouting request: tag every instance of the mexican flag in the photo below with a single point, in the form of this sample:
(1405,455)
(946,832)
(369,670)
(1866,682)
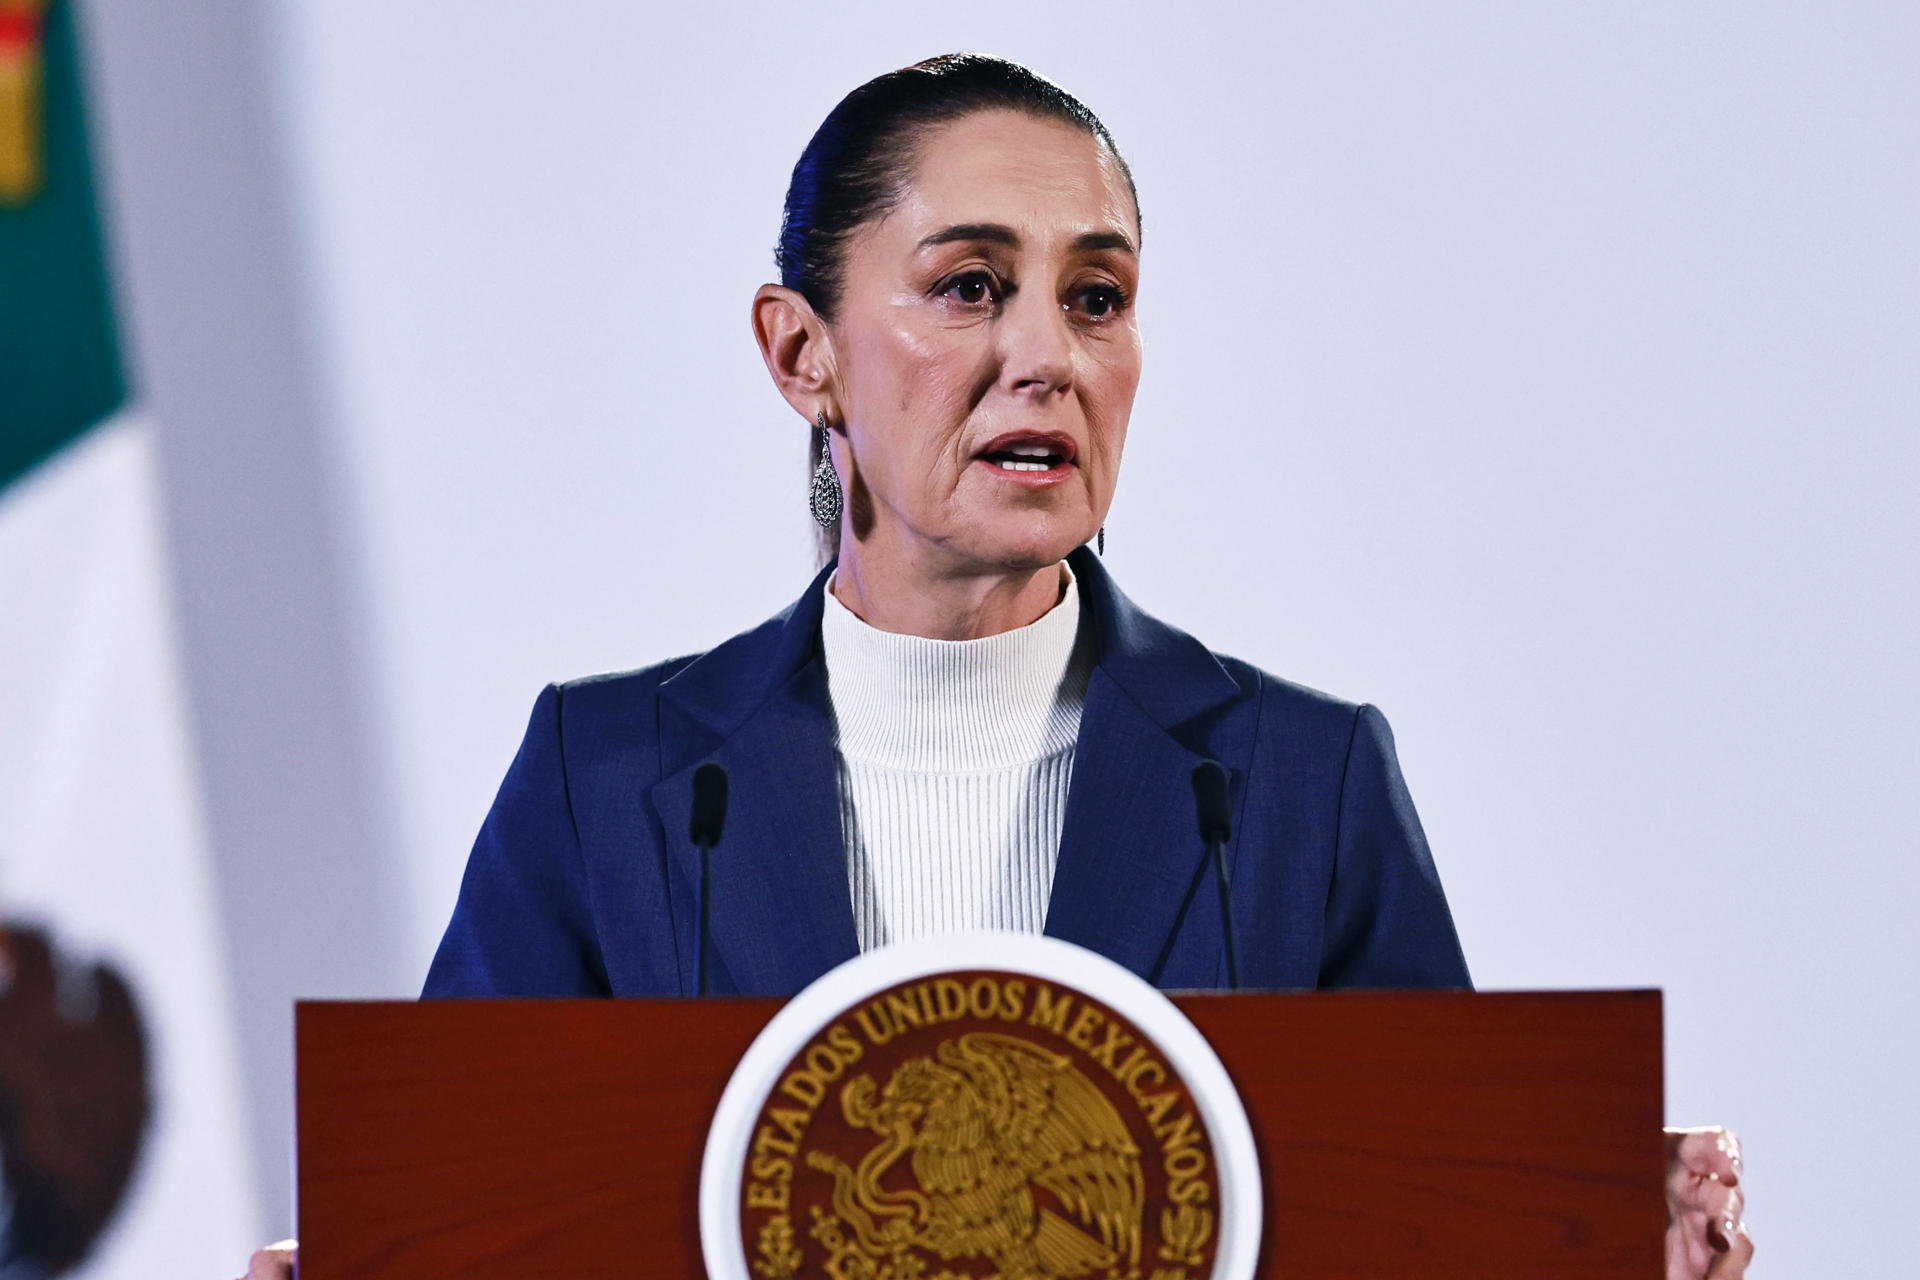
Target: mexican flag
(101,840)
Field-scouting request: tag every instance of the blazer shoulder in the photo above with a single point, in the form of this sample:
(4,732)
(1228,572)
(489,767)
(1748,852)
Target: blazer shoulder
(707,692)
(1290,709)
(614,714)
(620,689)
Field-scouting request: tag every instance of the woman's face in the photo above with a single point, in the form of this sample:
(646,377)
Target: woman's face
(986,350)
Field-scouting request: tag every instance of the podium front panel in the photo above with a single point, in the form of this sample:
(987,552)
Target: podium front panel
(1435,1134)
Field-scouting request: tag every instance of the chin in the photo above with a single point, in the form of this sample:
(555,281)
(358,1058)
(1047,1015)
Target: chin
(1031,549)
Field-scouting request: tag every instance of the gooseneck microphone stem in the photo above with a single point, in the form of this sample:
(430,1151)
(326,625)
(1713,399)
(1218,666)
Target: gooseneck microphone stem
(709,816)
(1216,829)
(1226,915)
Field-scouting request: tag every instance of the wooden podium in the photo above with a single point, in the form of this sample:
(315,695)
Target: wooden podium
(1400,1134)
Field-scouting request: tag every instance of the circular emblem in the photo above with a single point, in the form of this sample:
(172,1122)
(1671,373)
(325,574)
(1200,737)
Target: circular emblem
(987,1106)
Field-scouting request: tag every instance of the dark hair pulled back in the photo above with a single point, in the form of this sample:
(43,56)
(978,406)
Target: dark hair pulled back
(856,168)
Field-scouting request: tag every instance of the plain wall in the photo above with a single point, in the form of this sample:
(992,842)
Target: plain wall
(1547,375)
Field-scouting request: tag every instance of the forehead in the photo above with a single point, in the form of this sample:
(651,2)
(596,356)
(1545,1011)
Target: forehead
(1044,178)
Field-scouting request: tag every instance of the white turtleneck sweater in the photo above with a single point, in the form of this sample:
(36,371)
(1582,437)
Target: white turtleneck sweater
(953,761)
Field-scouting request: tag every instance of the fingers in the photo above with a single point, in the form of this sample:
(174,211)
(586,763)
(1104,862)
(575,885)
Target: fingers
(1688,1254)
(1695,1253)
(1724,1219)
(1732,1264)
(275,1262)
(1711,1152)
(1706,1206)
(1701,1239)
(1703,1167)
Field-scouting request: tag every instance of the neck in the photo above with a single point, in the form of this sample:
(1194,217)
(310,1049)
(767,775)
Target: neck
(954,606)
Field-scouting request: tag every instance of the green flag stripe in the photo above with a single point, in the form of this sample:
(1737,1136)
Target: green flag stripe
(59,359)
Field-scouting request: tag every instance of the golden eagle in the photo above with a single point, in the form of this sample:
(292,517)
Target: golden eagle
(990,1122)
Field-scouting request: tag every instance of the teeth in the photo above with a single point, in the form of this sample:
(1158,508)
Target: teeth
(1030,450)
(1021,466)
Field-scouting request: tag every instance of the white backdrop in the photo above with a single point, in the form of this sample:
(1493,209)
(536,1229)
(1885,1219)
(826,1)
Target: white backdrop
(1547,375)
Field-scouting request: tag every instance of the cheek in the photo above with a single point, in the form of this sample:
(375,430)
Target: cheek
(1112,377)
(920,386)
(938,386)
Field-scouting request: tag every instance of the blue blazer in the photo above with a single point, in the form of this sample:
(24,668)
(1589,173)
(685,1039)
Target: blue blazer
(583,880)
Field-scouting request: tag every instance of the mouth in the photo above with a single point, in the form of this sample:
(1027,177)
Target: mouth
(1030,456)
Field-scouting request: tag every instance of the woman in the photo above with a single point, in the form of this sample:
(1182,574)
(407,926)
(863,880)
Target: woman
(962,722)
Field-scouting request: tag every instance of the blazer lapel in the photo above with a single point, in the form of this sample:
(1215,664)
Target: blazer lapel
(780,914)
(1131,860)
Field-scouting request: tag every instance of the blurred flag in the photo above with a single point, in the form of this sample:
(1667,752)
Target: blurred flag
(100,826)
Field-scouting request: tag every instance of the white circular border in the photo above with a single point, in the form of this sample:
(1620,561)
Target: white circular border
(840,989)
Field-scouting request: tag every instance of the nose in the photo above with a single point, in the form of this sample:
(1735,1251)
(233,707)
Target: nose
(1036,347)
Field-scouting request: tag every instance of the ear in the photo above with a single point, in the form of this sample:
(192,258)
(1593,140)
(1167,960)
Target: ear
(798,349)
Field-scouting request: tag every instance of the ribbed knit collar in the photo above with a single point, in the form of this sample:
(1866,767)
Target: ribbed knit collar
(908,702)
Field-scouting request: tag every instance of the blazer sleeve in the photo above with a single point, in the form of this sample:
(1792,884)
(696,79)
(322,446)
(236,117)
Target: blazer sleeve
(1387,922)
(522,925)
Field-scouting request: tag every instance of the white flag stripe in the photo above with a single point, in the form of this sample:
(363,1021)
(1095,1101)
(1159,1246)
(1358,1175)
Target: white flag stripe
(100,827)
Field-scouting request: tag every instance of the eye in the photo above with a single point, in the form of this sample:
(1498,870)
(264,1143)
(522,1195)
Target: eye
(975,288)
(1099,301)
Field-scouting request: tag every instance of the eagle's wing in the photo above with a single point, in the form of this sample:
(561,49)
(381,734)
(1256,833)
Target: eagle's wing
(1059,1130)
(979,1202)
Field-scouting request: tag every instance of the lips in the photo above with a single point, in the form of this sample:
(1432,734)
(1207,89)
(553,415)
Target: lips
(1029,452)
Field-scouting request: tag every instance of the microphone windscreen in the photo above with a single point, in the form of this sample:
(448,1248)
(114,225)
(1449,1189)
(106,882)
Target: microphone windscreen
(1210,799)
(709,804)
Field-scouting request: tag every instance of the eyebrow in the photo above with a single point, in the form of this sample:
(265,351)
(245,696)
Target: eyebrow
(999,233)
(1096,240)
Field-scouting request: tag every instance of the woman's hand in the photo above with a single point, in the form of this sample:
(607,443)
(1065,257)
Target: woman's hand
(275,1262)
(1706,1232)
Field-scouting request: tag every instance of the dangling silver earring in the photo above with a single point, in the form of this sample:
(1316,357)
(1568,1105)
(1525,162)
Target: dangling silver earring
(824,494)
(1100,541)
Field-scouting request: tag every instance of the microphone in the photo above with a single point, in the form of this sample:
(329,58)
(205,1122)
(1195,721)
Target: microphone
(1216,828)
(709,816)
